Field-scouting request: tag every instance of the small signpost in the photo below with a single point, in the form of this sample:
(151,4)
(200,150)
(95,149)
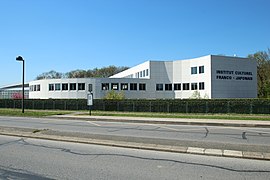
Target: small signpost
(90,102)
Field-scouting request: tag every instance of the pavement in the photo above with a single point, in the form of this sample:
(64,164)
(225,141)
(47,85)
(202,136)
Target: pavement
(147,143)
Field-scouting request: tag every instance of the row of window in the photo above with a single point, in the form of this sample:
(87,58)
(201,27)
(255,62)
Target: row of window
(34,87)
(144,73)
(66,87)
(123,86)
(177,86)
(194,70)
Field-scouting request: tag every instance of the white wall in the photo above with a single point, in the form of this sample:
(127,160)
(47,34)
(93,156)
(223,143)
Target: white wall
(233,88)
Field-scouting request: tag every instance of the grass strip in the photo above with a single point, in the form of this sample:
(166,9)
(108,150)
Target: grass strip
(31,113)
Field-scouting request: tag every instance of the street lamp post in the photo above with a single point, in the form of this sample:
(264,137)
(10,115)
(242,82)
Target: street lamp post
(19,58)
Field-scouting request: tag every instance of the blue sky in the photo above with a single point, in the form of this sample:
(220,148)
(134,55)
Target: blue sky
(65,35)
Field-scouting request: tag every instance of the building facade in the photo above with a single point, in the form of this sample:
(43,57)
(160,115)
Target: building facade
(209,77)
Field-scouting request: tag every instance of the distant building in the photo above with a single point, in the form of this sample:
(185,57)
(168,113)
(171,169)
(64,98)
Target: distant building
(14,91)
(209,77)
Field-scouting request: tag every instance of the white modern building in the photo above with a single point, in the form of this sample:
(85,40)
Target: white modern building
(209,77)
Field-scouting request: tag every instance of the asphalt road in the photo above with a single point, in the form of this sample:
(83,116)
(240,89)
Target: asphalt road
(229,135)
(23,158)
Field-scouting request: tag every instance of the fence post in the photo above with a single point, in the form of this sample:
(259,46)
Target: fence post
(133,106)
(251,108)
(65,105)
(206,107)
(228,107)
(186,106)
(53,104)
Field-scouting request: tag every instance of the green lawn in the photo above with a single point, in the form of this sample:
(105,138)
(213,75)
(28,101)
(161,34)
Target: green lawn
(31,113)
(43,113)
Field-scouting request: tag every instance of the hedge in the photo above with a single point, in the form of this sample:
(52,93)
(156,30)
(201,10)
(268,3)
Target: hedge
(240,106)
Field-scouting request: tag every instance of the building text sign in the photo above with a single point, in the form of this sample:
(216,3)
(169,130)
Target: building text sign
(234,75)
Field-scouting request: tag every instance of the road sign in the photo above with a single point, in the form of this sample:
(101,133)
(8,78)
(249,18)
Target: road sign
(90,99)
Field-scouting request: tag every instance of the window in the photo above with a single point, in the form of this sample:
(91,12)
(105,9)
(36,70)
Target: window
(159,87)
(137,75)
(90,88)
(168,87)
(193,70)
(51,87)
(142,87)
(201,69)
(194,86)
(64,87)
(114,86)
(133,86)
(201,86)
(57,87)
(143,73)
(105,86)
(140,73)
(147,72)
(35,88)
(124,86)
(177,87)
(81,86)
(72,86)
(185,86)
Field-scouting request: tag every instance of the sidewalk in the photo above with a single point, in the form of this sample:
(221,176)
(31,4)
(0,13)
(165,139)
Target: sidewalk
(175,121)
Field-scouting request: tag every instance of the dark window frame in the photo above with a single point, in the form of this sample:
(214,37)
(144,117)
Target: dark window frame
(81,86)
(64,86)
(194,70)
(133,86)
(51,87)
(177,86)
(159,87)
(56,87)
(185,86)
(72,86)
(124,86)
(168,87)
(105,86)
(201,86)
(142,87)
(194,86)
(201,69)
(115,86)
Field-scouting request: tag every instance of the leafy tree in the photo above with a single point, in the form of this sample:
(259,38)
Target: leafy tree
(102,72)
(50,75)
(263,72)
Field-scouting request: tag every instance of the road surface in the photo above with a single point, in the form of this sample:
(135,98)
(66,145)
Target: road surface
(23,158)
(229,135)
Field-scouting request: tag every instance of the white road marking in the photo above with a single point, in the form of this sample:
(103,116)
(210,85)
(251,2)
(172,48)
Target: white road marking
(93,123)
